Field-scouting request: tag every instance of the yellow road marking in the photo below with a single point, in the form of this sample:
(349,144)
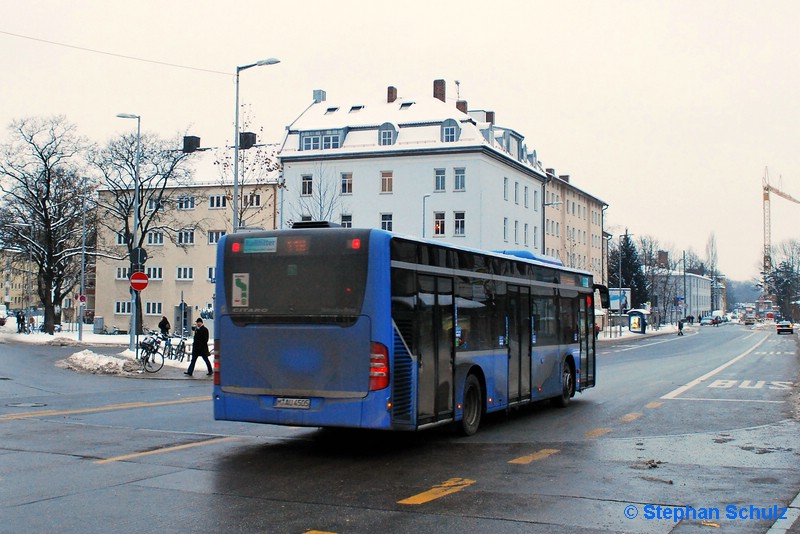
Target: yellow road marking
(597,432)
(165,449)
(654,404)
(109,408)
(445,488)
(538,455)
(318,532)
(628,417)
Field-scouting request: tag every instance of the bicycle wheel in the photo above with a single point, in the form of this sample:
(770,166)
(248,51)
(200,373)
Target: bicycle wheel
(153,362)
(180,351)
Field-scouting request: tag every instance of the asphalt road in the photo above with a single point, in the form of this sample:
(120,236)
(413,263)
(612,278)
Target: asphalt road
(703,421)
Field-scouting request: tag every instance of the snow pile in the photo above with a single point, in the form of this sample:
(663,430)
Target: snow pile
(88,361)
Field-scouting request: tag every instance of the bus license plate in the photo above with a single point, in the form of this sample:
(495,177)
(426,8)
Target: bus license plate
(288,402)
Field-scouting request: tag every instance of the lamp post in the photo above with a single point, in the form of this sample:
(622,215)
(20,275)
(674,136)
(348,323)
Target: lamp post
(82,296)
(268,61)
(134,294)
(424,198)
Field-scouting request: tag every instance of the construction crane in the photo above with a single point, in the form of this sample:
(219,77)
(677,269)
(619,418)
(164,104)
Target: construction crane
(768,188)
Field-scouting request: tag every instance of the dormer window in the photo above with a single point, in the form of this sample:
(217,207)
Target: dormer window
(387,134)
(450,131)
(331,110)
(406,105)
(355,109)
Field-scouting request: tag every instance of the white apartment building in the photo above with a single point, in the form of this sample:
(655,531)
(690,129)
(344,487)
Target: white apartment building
(421,166)
(181,261)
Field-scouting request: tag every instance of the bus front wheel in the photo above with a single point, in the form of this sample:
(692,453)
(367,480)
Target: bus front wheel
(567,386)
(473,406)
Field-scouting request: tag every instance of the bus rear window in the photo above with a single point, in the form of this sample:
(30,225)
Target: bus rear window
(295,276)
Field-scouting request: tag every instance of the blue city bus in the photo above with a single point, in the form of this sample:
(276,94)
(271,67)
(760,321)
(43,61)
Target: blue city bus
(363,328)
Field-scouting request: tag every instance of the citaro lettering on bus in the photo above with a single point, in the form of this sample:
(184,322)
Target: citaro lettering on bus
(240,289)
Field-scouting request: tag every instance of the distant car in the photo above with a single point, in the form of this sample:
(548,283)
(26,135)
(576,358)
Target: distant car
(705,321)
(785,327)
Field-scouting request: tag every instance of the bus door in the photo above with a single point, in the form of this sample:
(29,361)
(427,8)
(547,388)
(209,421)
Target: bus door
(519,343)
(436,349)
(586,322)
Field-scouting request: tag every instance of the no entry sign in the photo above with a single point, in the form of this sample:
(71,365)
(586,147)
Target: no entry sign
(139,281)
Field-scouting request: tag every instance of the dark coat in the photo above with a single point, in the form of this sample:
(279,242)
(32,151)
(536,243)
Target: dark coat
(200,342)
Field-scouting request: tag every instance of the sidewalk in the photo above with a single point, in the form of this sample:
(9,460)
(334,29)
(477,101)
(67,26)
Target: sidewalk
(102,353)
(668,329)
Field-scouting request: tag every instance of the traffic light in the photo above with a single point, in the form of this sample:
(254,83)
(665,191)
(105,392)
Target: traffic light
(246,140)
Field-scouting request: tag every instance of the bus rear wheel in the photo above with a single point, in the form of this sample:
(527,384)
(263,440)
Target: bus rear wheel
(473,406)
(567,386)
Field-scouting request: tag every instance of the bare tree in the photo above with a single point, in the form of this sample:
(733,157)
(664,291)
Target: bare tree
(319,195)
(161,167)
(41,211)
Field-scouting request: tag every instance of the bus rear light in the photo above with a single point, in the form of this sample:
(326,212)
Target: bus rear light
(378,367)
(216,362)
(236,247)
(355,244)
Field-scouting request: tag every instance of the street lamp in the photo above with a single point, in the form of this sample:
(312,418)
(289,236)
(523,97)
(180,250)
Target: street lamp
(268,61)
(424,198)
(134,294)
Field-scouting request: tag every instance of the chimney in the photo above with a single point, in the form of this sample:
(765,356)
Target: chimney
(565,177)
(490,117)
(550,172)
(461,105)
(439,89)
(391,94)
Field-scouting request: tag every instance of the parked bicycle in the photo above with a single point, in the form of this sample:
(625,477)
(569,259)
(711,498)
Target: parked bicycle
(177,351)
(150,358)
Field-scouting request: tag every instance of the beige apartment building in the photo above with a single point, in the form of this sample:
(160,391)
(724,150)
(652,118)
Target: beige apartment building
(181,255)
(573,226)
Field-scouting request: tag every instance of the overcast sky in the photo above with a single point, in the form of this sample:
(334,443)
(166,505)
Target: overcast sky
(669,111)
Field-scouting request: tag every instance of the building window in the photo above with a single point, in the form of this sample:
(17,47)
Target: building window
(216,202)
(525,200)
(212,274)
(516,192)
(505,228)
(311,142)
(439,180)
(347,183)
(525,234)
(386,222)
(459,223)
(535,200)
(516,232)
(186,203)
(122,307)
(152,308)
(306,185)
(438,223)
(330,141)
(123,273)
(186,237)
(154,273)
(450,131)
(386,134)
(155,237)
(152,204)
(386,181)
(347,221)
(121,238)
(460,180)
(214,236)
(505,188)
(185,273)
(253,200)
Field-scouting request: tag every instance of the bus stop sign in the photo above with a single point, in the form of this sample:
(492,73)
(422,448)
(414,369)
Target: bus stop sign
(139,281)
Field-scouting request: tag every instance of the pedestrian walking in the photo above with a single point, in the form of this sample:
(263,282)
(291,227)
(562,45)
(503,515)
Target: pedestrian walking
(200,348)
(680,327)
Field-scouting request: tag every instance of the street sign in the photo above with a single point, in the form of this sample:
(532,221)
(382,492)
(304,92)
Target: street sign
(139,281)
(83,298)
(139,256)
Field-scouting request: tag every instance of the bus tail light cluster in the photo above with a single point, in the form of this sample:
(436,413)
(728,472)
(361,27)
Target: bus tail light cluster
(216,362)
(378,367)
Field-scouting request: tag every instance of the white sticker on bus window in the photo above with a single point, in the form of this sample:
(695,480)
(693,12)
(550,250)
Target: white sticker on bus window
(240,290)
